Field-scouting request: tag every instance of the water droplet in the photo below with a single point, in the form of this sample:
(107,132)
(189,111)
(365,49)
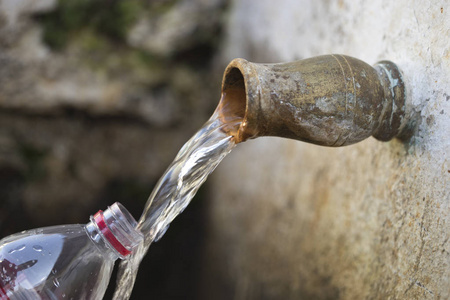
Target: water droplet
(56,282)
(19,248)
(54,271)
(37,248)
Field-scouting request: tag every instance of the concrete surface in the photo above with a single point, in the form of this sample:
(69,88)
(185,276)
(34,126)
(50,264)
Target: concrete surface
(369,221)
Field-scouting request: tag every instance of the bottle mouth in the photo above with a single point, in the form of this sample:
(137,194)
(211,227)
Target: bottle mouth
(118,227)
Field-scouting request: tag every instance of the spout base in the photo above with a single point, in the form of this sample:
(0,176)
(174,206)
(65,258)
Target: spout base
(393,119)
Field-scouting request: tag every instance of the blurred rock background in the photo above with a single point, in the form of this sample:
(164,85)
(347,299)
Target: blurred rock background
(96,98)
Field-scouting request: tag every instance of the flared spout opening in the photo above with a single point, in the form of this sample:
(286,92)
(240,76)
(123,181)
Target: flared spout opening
(233,106)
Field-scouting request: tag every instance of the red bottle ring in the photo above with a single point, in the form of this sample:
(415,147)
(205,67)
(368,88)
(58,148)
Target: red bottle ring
(100,220)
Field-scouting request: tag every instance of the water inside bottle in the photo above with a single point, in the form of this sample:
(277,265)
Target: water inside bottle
(178,185)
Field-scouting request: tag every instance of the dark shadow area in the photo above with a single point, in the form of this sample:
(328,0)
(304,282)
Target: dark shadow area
(12,215)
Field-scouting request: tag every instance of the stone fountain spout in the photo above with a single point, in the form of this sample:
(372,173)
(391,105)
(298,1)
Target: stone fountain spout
(329,100)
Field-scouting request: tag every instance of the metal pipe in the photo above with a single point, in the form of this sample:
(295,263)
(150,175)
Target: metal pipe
(330,100)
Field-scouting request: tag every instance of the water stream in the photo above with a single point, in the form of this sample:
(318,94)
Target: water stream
(176,188)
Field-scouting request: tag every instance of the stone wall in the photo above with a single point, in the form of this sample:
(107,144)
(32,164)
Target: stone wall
(290,220)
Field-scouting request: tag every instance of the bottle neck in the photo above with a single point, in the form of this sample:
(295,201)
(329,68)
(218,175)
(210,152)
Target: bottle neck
(114,231)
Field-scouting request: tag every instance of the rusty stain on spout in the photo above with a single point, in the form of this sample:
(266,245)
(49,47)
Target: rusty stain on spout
(330,100)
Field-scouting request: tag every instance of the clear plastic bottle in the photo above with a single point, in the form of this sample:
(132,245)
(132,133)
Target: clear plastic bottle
(68,261)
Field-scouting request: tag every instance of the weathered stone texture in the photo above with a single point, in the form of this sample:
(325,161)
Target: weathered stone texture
(369,221)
